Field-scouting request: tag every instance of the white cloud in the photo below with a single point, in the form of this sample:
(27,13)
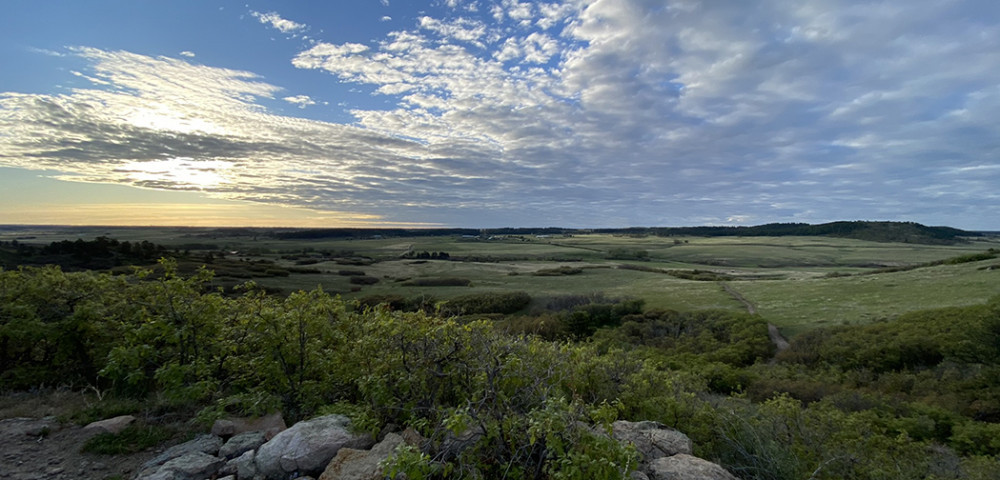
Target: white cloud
(576,113)
(302,101)
(460,29)
(274,20)
(187,53)
(385,18)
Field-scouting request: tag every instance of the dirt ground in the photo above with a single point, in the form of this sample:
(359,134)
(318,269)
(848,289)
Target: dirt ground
(36,444)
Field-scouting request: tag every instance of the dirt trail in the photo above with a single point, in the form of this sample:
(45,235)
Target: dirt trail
(751,309)
(777,339)
(44,449)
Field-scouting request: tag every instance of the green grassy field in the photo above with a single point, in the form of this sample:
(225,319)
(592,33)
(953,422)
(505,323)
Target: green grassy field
(797,283)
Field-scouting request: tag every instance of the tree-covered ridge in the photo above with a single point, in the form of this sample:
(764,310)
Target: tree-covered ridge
(905,232)
(851,402)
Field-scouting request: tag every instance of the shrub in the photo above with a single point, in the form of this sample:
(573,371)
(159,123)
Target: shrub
(364,280)
(483,303)
(438,282)
(558,271)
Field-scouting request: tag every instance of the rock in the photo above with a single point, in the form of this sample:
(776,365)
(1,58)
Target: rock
(207,444)
(111,425)
(307,447)
(637,475)
(413,438)
(652,439)
(245,465)
(228,477)
(685,467)
(241,443)
(453,445)
(271,424)
(352,464)
(193,466)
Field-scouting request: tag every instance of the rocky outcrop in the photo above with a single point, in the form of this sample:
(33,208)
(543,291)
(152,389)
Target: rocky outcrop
(307,447)
(686,467)
(665,453)
(354,464)
(191,460)
(325,447)
(651,439)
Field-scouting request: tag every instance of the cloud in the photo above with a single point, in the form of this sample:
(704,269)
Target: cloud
(385,18)
(302,101)
(274,20)
(577,113)
(187,53)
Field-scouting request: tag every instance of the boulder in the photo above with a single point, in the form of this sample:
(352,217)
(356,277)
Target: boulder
(270,424)
(686,467)
(207,444)
(241,443)
(110,425)
(193,466)
(307,447)
(652,439)
(453,445)
(352,464)
(245,465)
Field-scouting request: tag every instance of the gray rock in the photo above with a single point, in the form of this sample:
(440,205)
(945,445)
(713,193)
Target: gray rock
(352,464)
(111,425)
(307,447)
(160,475)
(270,424)
(207,444)
(652,439)
(241,443)
(228,477)
(686,467)
(245,466)
(193,466)
(453,445)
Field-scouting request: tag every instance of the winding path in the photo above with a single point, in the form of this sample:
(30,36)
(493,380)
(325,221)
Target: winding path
(779,341)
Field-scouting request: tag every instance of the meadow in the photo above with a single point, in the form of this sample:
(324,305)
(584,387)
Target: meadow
(796,283)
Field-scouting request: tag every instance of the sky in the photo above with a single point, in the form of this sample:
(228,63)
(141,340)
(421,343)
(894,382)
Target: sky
(494,113)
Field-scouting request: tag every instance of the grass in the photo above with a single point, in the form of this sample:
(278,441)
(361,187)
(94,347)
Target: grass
(800,305)
(797,283)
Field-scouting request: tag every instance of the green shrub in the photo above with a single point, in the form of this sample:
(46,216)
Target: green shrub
(489,302)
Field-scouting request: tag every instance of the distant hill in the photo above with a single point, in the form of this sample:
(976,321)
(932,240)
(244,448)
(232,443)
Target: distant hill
(903,232)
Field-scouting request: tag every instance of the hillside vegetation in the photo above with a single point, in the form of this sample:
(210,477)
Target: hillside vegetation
(538,339)
(916,397)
